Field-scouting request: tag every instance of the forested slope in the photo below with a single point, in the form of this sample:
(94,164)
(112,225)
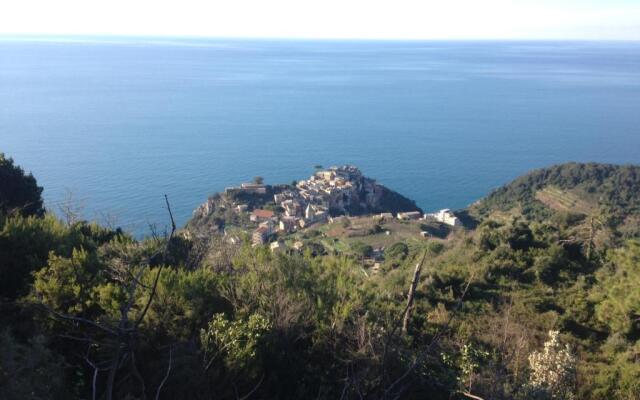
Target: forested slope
(613,188)
(527,305)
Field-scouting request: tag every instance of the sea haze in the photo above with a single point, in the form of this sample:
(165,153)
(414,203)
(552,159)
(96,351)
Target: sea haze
(120,122)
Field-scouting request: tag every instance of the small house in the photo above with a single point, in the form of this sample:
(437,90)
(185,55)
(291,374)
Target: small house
(410,215)
(259,236)
(261,215)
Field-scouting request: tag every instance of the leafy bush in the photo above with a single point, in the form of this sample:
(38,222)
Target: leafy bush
(19,192)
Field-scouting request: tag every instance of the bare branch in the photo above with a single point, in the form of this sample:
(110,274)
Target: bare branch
(70,208)
(412,290)
(471,396)
(138,376)
(394,329)
(173,223)
(164,253)
(167,374)
(246,396)
(78,320)
(434,341)
(95,374)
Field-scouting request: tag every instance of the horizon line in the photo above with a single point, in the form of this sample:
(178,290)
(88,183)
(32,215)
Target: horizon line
(53,36)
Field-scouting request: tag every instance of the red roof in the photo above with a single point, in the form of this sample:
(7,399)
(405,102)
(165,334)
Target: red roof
(263,213)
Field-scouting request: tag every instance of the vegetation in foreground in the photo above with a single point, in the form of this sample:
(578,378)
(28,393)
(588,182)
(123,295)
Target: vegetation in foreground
(539,301)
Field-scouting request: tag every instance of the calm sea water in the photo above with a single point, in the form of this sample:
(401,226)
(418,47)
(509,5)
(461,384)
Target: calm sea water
(120,122)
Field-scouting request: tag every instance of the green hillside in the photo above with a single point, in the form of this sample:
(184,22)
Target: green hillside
(610,192)
(539,301)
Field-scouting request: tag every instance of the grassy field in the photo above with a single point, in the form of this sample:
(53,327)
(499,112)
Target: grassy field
(340,236)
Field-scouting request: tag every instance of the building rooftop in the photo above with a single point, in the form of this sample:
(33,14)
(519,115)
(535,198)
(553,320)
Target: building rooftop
(263,213)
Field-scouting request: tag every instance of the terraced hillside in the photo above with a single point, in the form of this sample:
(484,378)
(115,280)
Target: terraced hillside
(566,200)
(611,190)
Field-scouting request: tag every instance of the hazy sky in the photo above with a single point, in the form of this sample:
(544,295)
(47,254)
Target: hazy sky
(391,19)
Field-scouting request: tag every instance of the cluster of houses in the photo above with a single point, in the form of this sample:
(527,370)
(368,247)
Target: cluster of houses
(336,187)
(293,218)
(308,203)
(270,223)
(310,200)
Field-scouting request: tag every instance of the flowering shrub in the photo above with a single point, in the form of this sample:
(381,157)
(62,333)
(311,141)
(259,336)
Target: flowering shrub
(552,371)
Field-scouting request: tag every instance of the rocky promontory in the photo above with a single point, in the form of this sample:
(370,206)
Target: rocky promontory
(328,193)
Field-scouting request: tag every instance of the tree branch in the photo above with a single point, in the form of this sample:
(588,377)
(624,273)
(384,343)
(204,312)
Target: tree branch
(78,319)
(164,254)
(167,374)
(246,396)
(434,341)
(393,332)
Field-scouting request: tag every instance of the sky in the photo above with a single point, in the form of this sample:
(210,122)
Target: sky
(331,19)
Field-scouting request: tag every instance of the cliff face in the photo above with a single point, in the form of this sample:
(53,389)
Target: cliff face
(332,192)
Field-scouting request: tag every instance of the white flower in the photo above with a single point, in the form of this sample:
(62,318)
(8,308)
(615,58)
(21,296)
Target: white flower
(553,368)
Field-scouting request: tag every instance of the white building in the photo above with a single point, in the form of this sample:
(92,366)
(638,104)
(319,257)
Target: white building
(310,213)
(253,188)
(288,224)
(386,216)
(409,215)
(445,216)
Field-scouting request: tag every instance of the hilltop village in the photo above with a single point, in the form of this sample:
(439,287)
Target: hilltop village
(334,195)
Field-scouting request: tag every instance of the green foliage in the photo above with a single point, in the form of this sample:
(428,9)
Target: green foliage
(236,341)
(471,360)
(26,244)
(19,192)
(617,295)
(619,378)
(240,321)
(30,370)
(184,301)
(361,249)
(66,284)
(615,189)
(397,251)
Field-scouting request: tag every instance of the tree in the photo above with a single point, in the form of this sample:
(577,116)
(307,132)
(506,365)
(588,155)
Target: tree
(66,284)
(471,361)
(19,192)
(68,289)
(258,180)
(617,294)
(553,370)
(70,208)
(30,370)
(397,251)
(362,250)
(235,341)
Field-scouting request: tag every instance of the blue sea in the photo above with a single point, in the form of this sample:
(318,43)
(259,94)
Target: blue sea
(119,122)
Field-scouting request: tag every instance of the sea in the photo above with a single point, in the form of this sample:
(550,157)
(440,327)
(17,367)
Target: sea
(112,124)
